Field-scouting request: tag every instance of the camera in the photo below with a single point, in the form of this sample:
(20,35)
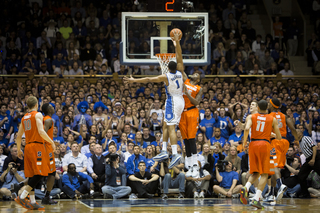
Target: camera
(112,157)
(221,164)
(290,160)
(14,165)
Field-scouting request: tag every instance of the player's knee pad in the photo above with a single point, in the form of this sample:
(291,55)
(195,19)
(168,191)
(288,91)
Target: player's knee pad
(52,174)
(32,182)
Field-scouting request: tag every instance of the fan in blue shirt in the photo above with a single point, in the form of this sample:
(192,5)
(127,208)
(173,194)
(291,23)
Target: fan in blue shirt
(225,123)
(217,138)
(236,136)
(207,124)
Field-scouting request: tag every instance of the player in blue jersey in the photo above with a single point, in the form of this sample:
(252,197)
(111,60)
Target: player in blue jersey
(174,105)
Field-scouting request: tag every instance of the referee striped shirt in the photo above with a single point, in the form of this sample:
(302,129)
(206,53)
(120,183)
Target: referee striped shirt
(306,145)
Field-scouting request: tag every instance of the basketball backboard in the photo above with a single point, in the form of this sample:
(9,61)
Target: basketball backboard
(146,34)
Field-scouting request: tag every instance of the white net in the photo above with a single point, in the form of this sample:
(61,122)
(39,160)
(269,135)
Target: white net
(164,59)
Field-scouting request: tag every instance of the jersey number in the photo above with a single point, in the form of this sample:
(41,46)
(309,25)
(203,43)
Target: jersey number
(27,125)
(260,126)
(280,123)
(177,82)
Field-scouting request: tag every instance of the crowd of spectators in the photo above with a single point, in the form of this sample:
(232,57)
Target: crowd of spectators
(122,123)
(106,133)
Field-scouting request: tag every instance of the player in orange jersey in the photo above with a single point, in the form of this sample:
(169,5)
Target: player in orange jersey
(261,125)
(280,147)
(189,121)
(35,157)
(48,111)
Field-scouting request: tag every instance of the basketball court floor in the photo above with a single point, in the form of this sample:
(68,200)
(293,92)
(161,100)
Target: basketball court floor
(170,205)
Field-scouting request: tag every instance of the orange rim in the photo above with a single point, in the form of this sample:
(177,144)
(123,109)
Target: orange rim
(165,56)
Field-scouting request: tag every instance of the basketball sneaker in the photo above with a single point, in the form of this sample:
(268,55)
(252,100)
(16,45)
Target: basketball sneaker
(36,206)
(48,201)
(23,202)
(281,191)
(256,204)
(201,195)
(270,199)
(175,159)
(162,156)
(244,195)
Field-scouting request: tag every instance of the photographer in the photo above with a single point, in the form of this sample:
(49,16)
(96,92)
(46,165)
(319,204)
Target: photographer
(112,148)
(13,158)
(228,181)
(144,183)
(10,176)
(115,178)
(96,167)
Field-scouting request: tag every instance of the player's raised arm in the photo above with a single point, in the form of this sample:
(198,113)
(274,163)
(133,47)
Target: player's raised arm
(42,133)
(180,67)
(276,129)
(158,79)
(246,129)
(18,140)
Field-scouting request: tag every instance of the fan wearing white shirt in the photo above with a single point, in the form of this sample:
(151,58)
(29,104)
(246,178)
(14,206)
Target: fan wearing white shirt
(43,69)
(286,70)
(256,70)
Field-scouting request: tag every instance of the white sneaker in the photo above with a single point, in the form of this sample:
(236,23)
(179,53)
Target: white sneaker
(270,199)
(195,195)
(201,195)
(281,191)
(189,172)
(195,171)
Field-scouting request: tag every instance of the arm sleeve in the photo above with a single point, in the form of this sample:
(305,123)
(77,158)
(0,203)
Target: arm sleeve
(66,181)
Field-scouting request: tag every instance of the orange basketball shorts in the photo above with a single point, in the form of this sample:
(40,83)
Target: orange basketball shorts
(259,157)
(50,156)
(189,123)
(281,148)
(35,160)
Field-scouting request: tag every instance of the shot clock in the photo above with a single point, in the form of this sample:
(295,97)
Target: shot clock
(164,5)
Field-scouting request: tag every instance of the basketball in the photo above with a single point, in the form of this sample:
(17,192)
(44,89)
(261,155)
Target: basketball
(176,30)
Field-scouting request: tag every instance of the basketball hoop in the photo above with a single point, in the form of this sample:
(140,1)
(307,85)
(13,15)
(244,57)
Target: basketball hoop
(164,59)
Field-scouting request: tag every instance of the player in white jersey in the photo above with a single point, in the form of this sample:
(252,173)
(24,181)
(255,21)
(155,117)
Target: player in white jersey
(174,106)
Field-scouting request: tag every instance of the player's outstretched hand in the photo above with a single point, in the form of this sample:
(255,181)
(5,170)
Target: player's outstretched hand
(127,80)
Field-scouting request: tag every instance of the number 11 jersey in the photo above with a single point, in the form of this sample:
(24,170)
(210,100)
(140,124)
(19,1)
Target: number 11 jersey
(261,126)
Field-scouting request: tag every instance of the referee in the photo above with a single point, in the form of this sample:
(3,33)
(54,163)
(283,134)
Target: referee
(309,149)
